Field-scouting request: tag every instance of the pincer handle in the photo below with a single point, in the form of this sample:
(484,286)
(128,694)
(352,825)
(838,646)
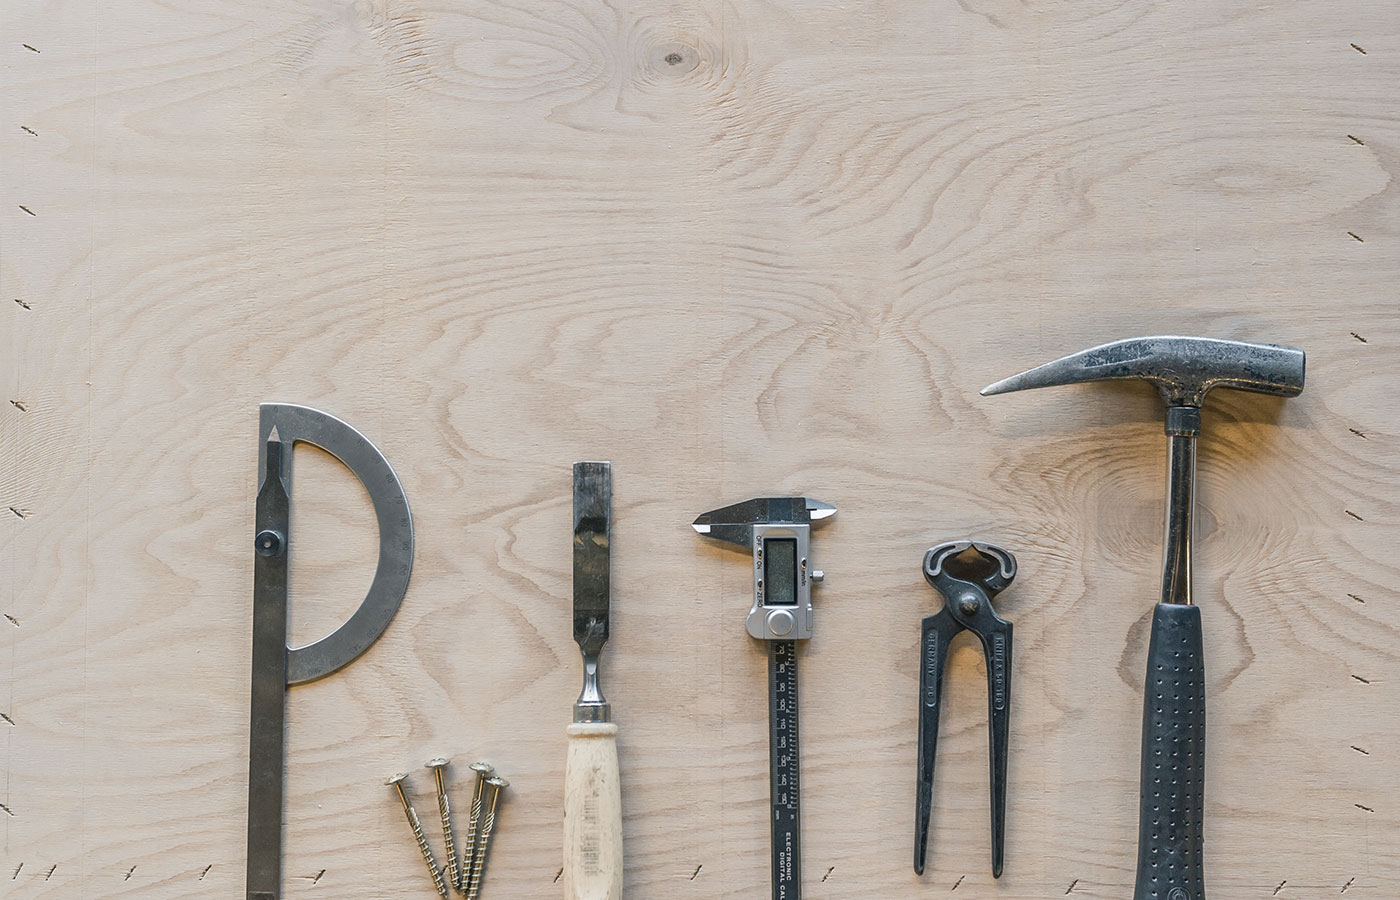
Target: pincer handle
(592,814)
(1171,801)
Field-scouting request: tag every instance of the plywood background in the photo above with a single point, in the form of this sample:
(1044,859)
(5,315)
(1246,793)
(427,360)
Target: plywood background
(737,248)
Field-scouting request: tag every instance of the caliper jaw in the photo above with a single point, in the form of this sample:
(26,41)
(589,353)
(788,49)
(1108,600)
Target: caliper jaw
(777,531)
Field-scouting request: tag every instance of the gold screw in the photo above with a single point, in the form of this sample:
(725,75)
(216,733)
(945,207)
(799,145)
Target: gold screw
(488,825)
(397,782)
(483,771)
(454,875)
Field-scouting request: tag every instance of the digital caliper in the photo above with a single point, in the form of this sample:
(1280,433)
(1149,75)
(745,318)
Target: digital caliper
(777,531)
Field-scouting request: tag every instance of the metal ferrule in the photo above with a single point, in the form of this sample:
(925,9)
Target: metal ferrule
(591,707)
(1181,502)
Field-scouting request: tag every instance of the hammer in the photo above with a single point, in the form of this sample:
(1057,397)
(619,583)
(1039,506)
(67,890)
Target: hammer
(1183,369)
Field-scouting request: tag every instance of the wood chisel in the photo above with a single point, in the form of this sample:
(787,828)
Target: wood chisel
(275,665)
(777,531)
(592,790)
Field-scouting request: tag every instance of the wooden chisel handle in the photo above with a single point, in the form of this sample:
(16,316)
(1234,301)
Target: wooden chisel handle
(592,814)
(1173,759)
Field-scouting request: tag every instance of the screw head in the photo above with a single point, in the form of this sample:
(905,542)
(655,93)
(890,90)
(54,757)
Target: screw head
(484,770)
(969,605)
(498,782)
(437,763)
(397,779)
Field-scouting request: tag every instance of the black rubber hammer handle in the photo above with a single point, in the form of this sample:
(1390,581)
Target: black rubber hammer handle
(1173,759)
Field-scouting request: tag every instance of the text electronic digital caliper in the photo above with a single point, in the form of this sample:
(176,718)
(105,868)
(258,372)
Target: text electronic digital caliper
(275,665)
(777,531)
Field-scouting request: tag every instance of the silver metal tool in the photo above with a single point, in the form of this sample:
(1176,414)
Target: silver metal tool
(592,788)
(1172,792)
(275,665)
(776,531)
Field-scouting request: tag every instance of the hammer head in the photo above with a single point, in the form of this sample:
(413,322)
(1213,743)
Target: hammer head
(1183,369)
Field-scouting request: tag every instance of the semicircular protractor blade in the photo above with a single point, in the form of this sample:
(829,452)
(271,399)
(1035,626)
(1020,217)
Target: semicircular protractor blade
(339,648)
(275,665)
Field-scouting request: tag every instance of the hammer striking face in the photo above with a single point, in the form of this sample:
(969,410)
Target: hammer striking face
(1183,369)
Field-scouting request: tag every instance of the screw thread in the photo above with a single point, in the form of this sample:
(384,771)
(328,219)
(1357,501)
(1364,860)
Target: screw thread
(469,842)
(479,860)
(427,853)
(454,874)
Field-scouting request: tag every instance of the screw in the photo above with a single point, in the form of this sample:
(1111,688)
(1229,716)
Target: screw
(483,771)
(454,875)
(397,782)
(487,826)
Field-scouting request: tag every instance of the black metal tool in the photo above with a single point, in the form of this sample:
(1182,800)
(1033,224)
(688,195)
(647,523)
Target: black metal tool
(777,531)
(1171,795)
(968,574)
(275,665)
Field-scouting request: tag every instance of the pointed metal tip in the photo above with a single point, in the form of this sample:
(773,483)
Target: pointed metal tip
(816,509)
(1066,370)
(1017,382)
(701,527)
(273,437)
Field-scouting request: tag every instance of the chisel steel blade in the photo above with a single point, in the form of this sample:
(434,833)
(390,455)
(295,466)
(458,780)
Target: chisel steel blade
(592,518)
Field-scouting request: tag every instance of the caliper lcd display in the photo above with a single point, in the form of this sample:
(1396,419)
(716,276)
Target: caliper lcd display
(780,572)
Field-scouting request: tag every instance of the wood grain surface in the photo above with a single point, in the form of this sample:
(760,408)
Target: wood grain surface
(737,248)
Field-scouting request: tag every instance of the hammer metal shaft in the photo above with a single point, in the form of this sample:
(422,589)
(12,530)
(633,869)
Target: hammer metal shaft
(1181,508)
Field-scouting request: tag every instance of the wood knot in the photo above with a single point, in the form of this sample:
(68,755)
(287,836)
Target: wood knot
(673,59)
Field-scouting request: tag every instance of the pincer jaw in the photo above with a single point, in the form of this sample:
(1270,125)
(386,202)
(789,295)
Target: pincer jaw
(937,573)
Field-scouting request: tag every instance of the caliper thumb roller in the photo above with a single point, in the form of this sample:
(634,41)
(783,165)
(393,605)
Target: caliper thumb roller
(1184,370)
